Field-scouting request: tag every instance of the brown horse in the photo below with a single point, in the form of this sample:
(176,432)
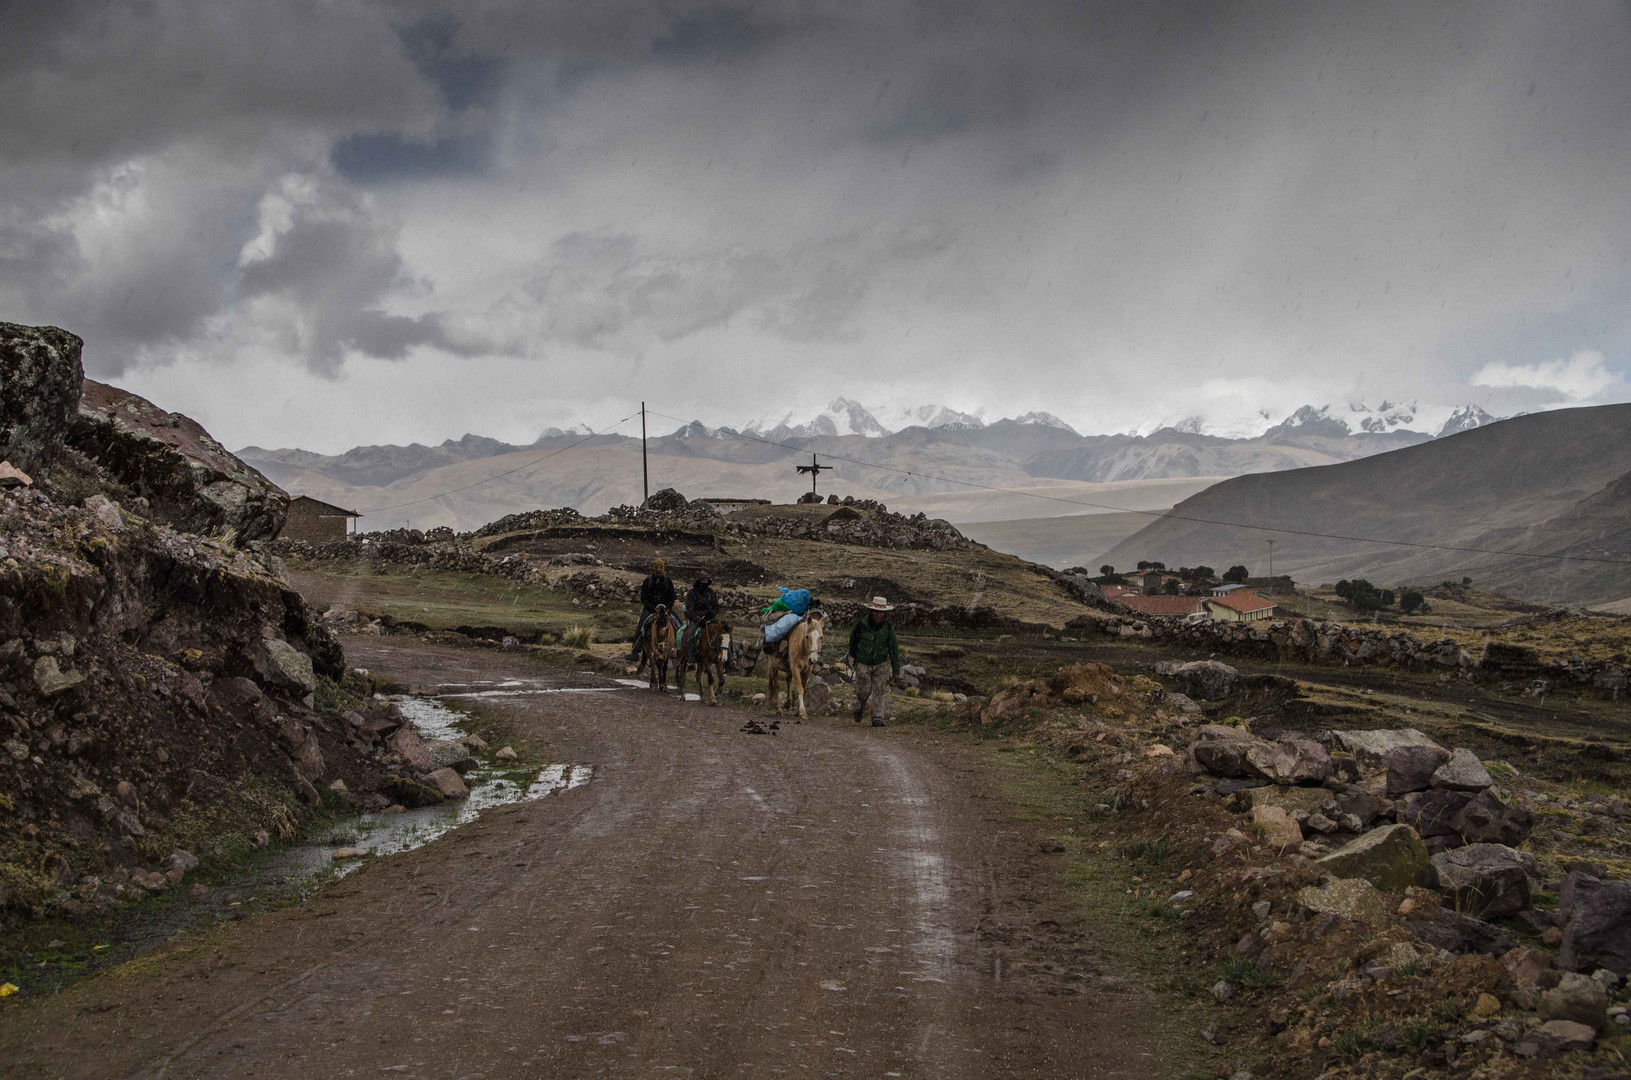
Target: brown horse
(658,640)
(803,646)
(711,645)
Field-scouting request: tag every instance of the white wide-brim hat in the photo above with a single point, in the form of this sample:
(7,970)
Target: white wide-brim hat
(880,603)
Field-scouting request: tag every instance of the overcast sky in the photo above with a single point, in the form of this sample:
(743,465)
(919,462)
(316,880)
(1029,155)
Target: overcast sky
(331,223)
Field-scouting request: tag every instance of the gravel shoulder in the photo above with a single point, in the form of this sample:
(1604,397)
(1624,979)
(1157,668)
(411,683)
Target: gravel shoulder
(833,901)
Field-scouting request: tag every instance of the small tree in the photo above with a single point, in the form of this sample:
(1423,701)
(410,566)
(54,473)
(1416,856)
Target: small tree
(1106,570)
(1412,601)
(1236,574)
(1172,588)
(1143,564)
(1163,566)
(1361,595)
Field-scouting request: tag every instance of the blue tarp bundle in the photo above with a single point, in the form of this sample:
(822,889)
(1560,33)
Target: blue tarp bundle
(783,626)
(797,600)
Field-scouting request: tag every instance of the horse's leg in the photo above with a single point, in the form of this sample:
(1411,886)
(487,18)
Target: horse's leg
(775,687)
(795,678)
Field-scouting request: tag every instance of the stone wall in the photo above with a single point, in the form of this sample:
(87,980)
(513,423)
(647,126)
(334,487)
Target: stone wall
(1309,641)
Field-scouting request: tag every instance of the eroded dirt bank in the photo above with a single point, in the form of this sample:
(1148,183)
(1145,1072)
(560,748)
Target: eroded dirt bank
(831,902)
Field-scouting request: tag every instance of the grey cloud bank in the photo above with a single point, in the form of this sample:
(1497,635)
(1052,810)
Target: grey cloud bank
(372,222)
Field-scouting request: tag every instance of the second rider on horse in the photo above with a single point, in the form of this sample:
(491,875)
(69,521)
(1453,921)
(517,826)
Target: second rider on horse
(701,608)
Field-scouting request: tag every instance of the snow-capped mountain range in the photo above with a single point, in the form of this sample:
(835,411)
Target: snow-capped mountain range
(848,417)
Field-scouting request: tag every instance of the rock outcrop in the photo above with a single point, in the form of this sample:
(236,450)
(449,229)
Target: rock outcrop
(190,481)
(40,375)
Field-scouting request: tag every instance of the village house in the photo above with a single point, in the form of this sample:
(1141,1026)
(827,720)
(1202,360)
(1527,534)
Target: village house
(1152,581)
(315,521)
(1239,606)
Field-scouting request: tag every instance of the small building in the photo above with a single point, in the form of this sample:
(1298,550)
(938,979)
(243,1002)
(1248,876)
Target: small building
(1175,606)
(1224,590)
(1239,606)
(316,522)
(1152,581)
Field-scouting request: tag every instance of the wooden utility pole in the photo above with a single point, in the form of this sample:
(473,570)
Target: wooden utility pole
(1271,544)
(645,470)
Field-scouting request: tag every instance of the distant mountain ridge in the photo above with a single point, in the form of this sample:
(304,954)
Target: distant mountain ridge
(1552,483)
(1037,449)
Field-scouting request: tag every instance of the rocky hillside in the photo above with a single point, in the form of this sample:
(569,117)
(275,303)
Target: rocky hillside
(165,697)
(1554,483)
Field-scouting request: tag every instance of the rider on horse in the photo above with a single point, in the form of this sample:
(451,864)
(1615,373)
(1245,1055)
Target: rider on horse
(656,591)
(701,608)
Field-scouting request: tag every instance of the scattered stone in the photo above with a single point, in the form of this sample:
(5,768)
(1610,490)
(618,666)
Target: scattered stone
(1223,990)
(1434,813)
(280,664)
(1391,857)
(1576,997)
(1463,772)
(1351,898)
(348,853)
(1411,768)
(1597,933)
(448,782)
(1487,820)
(1261,909)
(476,743)
(505,753)
(1487,1005)
(183,861)
(1371,747)
(1487,879)
(1556,1037)
(1207,680)
(51,679)
(1052,845)
(1460,933)
(406,744)
(1280,829)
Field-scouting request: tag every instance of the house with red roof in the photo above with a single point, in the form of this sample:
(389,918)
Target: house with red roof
(1242,605)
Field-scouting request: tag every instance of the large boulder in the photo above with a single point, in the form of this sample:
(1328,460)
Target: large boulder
(1371,747)
(1232,752)
(1598,924)
(1205,680)
(1487,820)
(1463,772)
(1390,857)
(406,744)
(190,481)
(1411,768)
(1484,879)
(40,374)
(666,501)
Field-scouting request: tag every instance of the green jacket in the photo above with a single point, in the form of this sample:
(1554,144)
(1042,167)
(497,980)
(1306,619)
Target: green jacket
(874,644)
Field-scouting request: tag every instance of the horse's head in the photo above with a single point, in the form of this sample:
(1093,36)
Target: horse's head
(816,622)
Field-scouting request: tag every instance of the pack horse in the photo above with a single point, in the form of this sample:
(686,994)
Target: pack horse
(797,663)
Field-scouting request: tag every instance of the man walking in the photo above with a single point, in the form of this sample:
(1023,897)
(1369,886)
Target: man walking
(874,653)
(656,591)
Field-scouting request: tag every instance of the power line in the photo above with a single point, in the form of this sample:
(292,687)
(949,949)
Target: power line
(1169,514)
(506,472)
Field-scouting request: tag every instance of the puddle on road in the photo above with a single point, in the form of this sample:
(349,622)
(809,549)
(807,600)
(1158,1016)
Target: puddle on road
(386,834)
(642,684)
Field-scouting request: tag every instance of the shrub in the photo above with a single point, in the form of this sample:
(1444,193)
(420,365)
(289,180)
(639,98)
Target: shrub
(578,637)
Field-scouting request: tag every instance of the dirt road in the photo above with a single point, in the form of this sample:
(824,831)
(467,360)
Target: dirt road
(832,902)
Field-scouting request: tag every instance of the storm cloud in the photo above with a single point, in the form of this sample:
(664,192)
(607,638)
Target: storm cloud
(402,221)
